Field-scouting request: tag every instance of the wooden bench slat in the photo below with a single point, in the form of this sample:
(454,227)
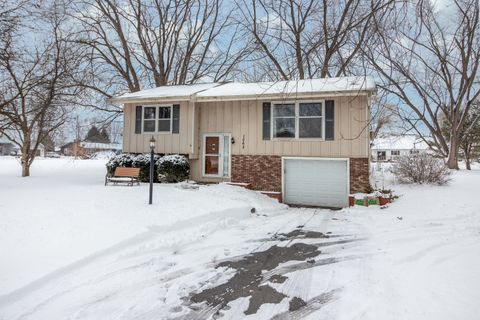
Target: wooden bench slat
(126,172)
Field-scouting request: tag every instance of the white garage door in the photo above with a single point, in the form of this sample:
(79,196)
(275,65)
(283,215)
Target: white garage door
(316,182)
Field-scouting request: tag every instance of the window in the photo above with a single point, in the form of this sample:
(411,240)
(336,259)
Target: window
(157,119)
(395,152)
(284,121)
(149,116)
(381,155)
(298,120)
(310,120)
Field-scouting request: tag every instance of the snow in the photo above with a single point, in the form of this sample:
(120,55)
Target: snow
(101,146)
(401,142)
(292,87)
(79,250)
(208,91)
(182,92)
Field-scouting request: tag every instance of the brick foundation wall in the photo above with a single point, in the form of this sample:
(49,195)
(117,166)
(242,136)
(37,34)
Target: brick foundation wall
(359,175)
(262,172)
(265,172)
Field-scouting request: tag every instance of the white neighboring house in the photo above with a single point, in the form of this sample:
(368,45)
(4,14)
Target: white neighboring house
(93,147)
(389,147)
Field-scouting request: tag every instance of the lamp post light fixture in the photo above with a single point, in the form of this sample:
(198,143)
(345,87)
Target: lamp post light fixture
(152,148)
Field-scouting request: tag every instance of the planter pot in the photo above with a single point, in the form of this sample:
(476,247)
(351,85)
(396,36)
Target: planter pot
(383,201)
(351,201)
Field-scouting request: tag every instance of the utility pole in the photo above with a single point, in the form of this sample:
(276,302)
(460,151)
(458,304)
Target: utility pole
(77,138)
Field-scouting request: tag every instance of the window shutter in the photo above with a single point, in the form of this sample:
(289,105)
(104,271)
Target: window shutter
(329,120)
(266,120)
(138,119)
(176,119)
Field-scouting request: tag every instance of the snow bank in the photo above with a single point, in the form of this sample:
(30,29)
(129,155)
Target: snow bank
(63,213)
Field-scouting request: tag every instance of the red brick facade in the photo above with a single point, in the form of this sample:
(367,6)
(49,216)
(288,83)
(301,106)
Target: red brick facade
(265,172)
(262,172)
(359,175)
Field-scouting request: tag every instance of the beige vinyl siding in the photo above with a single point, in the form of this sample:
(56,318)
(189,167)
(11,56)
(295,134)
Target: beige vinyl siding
(243,119)
(165,143)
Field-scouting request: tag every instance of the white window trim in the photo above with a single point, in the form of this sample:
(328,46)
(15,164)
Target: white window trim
(297,117)
(157,114)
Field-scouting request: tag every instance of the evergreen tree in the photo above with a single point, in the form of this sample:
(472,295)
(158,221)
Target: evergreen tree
(94,135)
(105,135)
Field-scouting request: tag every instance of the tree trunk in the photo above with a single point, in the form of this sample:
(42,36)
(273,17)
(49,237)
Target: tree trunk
(467,158)
(25,169)
(26,162)
(452,161)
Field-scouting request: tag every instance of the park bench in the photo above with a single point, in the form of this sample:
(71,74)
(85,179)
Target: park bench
(124,175)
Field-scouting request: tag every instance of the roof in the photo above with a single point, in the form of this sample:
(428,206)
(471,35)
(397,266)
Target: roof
(291,88)
(178,92)
(253,90)
(101,146)
(404,142)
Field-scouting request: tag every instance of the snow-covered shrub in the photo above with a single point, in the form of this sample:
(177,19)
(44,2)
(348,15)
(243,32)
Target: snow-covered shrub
(173,168)
(421,168)
(121,160)
(142,161)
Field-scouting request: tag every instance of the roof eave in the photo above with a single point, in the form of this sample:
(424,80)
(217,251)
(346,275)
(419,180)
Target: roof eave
(286,96)
(120,100)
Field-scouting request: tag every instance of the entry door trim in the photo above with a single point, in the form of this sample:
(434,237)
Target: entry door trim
(347,160)
(220,136)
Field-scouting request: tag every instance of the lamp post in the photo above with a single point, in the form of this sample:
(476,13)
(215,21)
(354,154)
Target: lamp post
(152,148)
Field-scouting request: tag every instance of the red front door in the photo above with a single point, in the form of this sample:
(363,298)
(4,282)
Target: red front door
(212,155)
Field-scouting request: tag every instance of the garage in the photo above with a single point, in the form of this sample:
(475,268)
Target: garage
(315,182)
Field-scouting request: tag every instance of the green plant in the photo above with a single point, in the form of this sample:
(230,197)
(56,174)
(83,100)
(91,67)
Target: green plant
(142,161)
(121,160)
(173,168)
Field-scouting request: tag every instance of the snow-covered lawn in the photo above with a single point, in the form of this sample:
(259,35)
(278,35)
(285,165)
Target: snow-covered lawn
(74,249)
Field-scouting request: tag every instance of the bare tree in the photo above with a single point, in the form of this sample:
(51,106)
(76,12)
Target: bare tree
(36,83)
(429,63)
(135,44)
(469,134)
(307,39)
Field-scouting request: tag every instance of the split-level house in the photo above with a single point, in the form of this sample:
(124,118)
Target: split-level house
(305,139)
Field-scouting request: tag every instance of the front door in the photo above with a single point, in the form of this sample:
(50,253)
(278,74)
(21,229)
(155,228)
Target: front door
(216,155)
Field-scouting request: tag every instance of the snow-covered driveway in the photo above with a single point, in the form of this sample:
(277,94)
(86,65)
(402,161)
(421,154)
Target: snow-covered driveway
(74,249)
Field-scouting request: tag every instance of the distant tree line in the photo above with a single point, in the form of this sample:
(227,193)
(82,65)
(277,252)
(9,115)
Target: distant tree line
(425,59)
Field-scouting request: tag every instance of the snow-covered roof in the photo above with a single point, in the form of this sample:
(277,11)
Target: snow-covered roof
(235,90)
(291,88)
(404,142)
(178,92)
(101,146)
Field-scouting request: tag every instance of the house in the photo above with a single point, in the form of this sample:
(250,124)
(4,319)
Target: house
(93,147)
(6,146)
(390,147)
(87,148)
(72,149)
(305,139)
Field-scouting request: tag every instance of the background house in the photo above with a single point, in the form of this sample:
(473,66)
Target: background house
(6,146)
(387,148)
(85,149)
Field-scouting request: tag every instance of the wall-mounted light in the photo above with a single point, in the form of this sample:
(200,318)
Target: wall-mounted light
(232,140)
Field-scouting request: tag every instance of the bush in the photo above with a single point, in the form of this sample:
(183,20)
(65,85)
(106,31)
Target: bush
(421,168)
(142,161)
(173,168)
(121,160)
